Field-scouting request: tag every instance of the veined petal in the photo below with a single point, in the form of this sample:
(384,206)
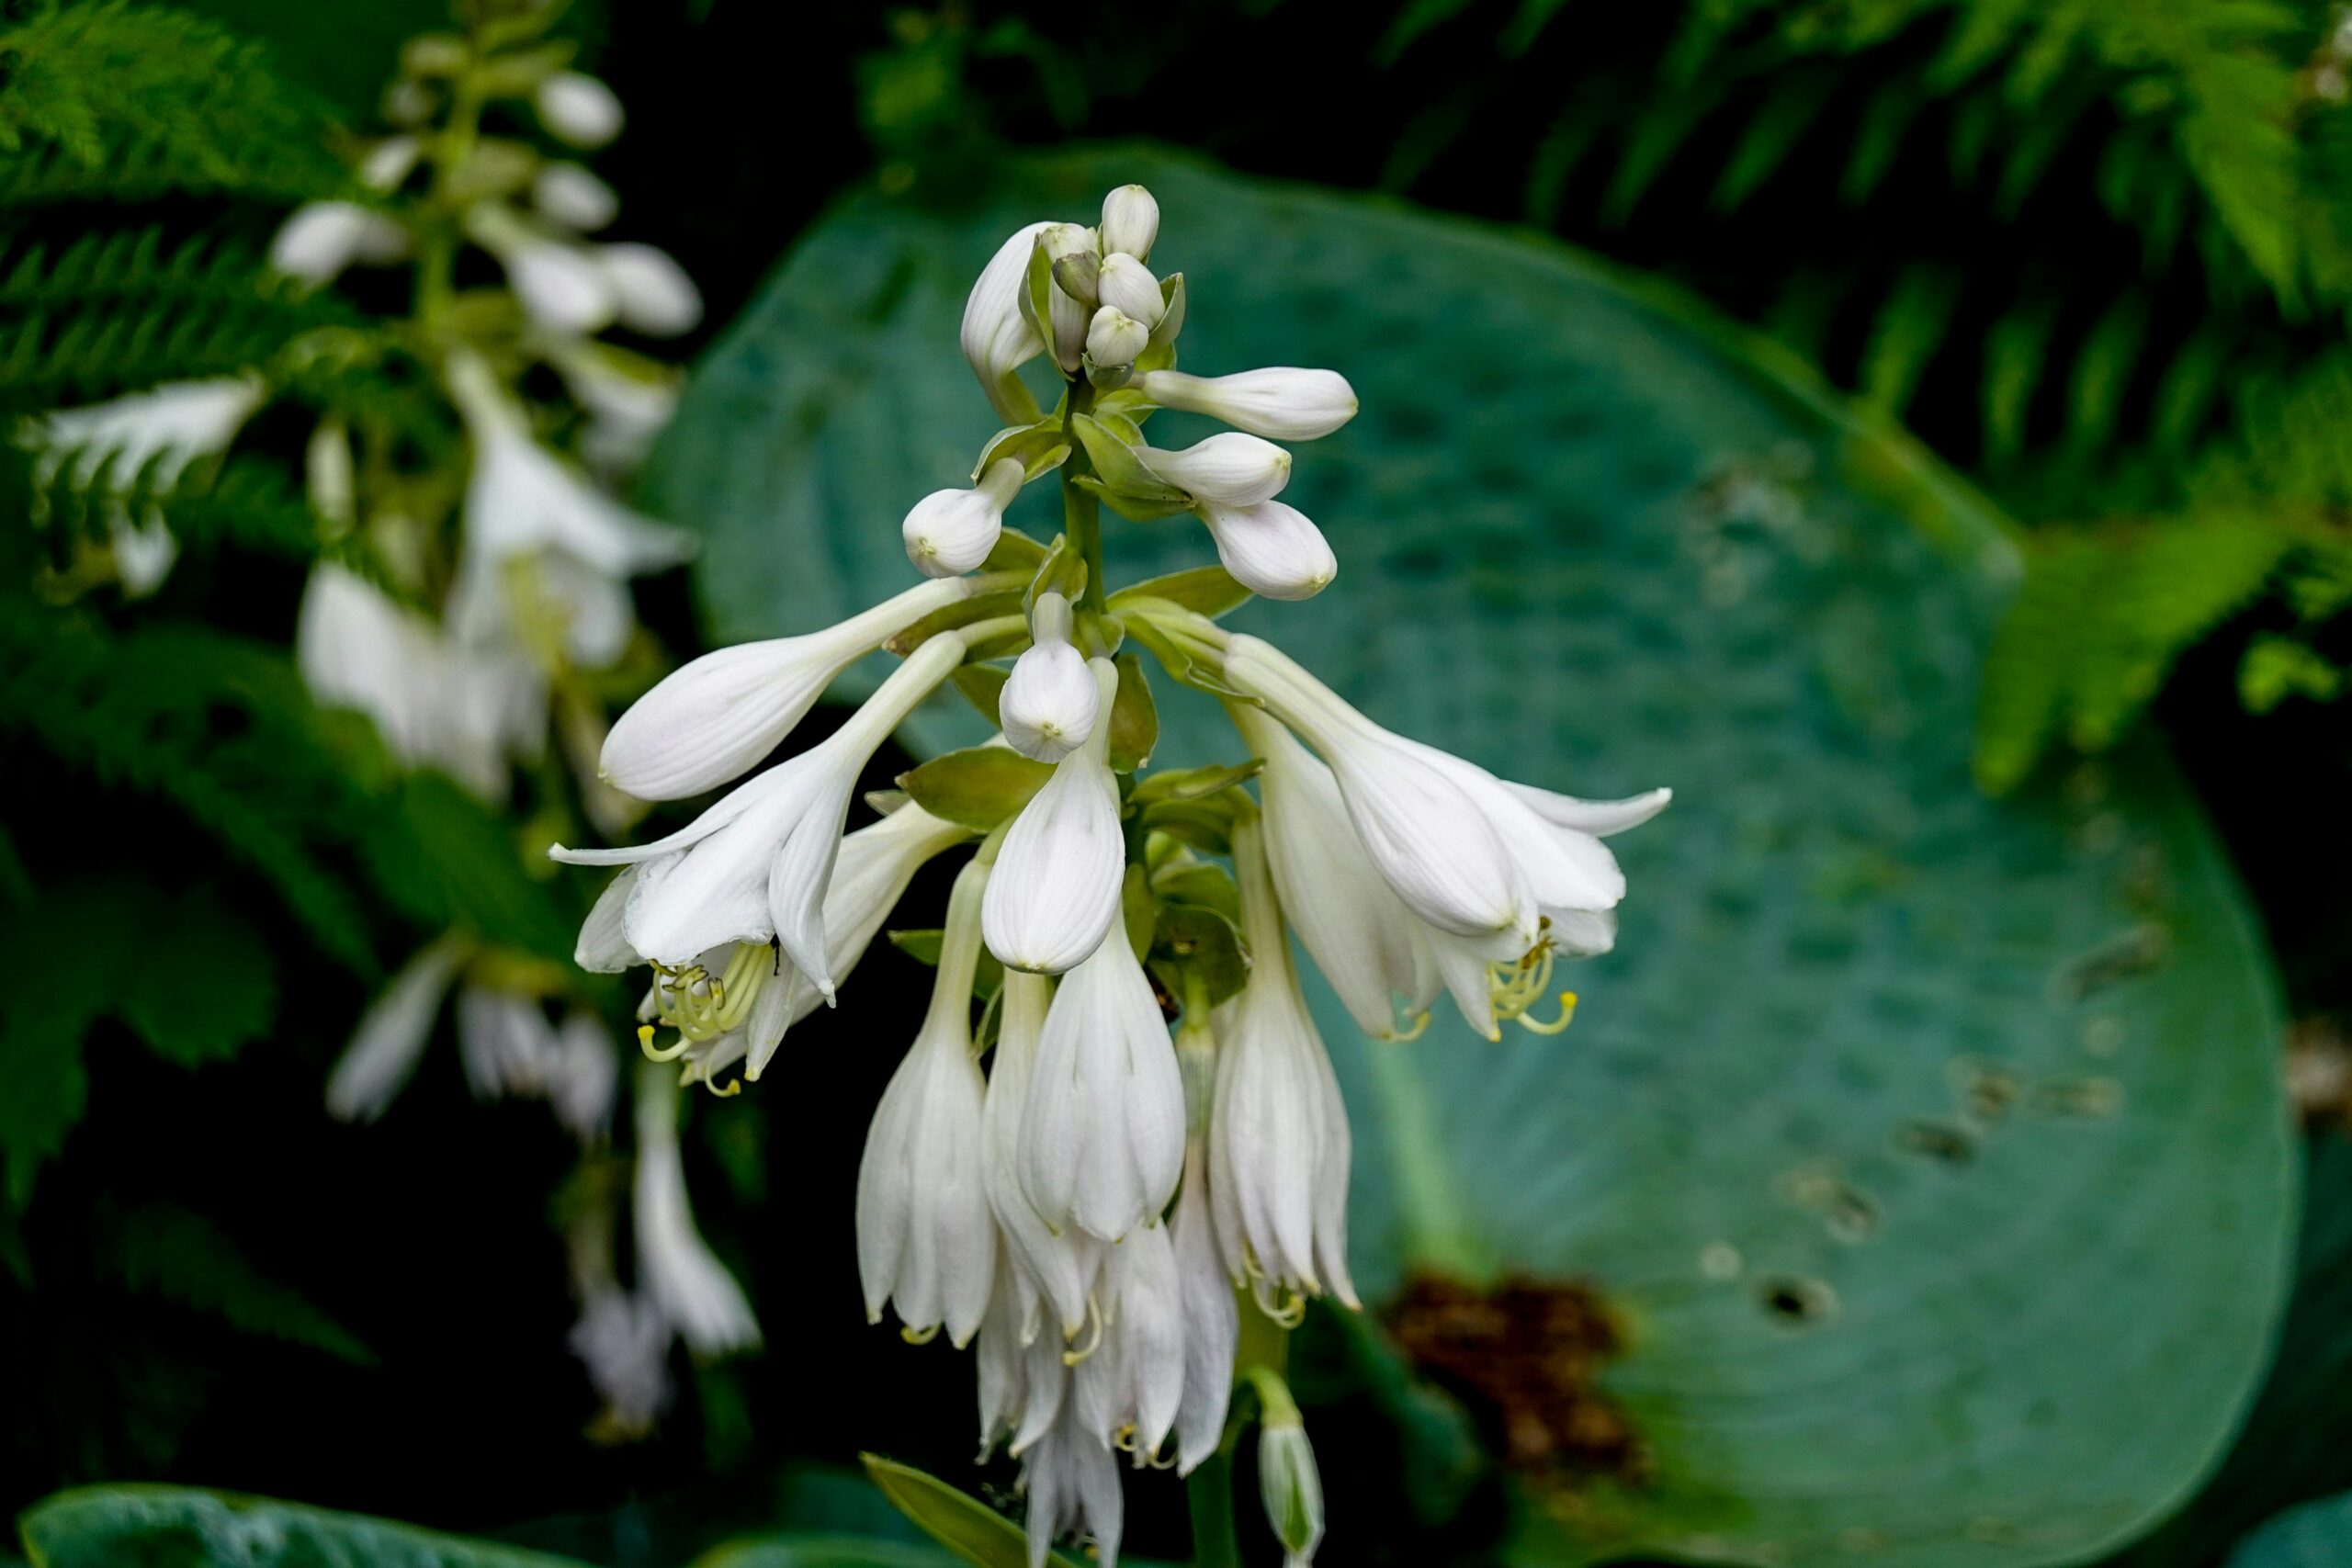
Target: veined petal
(1055,891)
(1279,403)
(1599,818)
(696,1293)
(1060,1268)
(1274,550)
(998,340)
(1229,469)
(1212,1323)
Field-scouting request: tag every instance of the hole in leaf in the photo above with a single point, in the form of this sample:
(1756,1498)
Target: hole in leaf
(1800,1303)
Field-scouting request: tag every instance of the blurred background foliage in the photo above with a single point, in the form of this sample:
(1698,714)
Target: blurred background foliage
(2094,254)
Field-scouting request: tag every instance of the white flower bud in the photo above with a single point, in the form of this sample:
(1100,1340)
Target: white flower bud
(997,337)
(1272,549)
(1055,891)
(1229,469)
(324,237)
(1114,337)
(650,290)
(1049,705)
(389,163)
(568,194)
(561,287)
(1278,402)
(1127,285)
(950,532)
(578,109)
(1130,221)
(1291,1487)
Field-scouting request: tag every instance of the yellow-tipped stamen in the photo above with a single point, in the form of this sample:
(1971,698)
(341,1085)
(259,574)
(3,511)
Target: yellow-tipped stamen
(1516,986)
(669,1053)
(1568,1012)
(919,1335)
(1094,1320)
(1420,1027)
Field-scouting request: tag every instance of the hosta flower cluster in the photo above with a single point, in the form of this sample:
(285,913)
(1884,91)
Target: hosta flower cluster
(1103,1149)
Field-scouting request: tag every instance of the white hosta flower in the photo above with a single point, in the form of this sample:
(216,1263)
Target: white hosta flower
(1229,469)
(583,1077)
(1073,1483)
(168,426)
(925,1242)
(578,109)
(651,293)
(1126,1391)
(1130,221)
(951,532)
(568,194)
(1049,703)
(997,339)
(505,1041)
(1127,286)
(1114,337)
(1102,1131)
(1291,1487)
(393,1034)
(718,716)
(560,285)
(1212,1323)
(1021,1376)
(357,648)
(758,863)
(322,237)
(624,1342)
(628,403)
(389,163)
(1274,550)
(144,553)
(696,1294)
(1278,1134)
(1047,1270)
(1359,932)
(1280,404)
(1055,891)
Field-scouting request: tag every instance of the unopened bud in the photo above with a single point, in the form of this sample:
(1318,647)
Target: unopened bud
(571,196)
(1230,469)
(1125,283)
(1274,550)
(1282,403)
(1290,1486)
(578,109)
(1130,221)
(1049,704)
(651,291)
(949,532)
(1114,337)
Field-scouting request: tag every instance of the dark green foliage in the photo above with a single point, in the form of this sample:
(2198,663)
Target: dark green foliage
(172,1526)
(181,1257)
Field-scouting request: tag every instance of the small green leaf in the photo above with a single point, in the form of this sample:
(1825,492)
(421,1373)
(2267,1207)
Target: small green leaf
(1060,570)
(1123,481)
(1202,825)
(948,617)
(1135,720)
(1015,552)
(205,986)
(1039,448)
(1205,590)
(980,786)
(963,1524)
(981,685)
(1194,784)
(1195,938)
(1184,880)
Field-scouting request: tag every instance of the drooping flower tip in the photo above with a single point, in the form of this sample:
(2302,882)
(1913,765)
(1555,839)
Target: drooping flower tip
(1049,704)
(951,532)
(1274,550)
(651,293)
(1227,469)
(1280,403)
(322,237)
(997,337)
(1055,891)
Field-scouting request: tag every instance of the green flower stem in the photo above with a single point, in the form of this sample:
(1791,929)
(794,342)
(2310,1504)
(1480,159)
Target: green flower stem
(1209,1492)
(1081,513)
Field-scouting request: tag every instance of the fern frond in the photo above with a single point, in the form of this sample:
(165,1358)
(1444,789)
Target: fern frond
(177,1255)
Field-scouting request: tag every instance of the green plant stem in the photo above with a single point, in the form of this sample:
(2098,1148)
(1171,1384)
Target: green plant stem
(1209,1492)
(1081,513)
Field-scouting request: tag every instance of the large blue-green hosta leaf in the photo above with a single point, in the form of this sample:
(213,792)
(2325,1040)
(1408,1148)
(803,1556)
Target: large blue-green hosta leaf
(180,1527)
(1931,1149)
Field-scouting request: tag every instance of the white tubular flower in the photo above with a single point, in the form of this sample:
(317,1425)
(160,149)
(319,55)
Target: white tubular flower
(758,864)
(623,1342)
(144,553)
(578,109)
(322,237)
(1047,1269)
(997,339)
(1130,221)
(1102,1132)
(696,1294)
(1055,891)
(718,716)
(1114,337)
(1127,284)
(168,426)
(1022,1378)
(559,284)
(626,408)
(389,163)
(1072,1482)
(651,293)
(1049,703)
(1212,1325)
(1278,1133)
(1279,403)
(393,1034)
(568,194)
(1274,550)
(1127,1390)
(1424,833)
(357,648)
(1229,469)
(950,532)
(1290,1486)
(584,1077)
(925,1243)
(1359,932)
(505,1041)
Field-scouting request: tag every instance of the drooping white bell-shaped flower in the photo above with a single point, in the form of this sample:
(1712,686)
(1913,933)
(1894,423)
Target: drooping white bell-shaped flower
(1134,1381)
(1114,338)
(1130,221)
(716,717)
(1050,1272)
(696,1294)
(623,1342)
(578,109)
(357,648)
(583,1077)
(1055,890)
(651,293)
(505,1041)
(1274,550)
(997,338)
(1125,285)
(1279,403)
(1278,1133)
(392,1033)
(1023,1379)
(758,863)
(925,1241)
(1071,1479)
(559,284)
(1227,469)
(568,194)
(1102,1132)
(1212,1325)
(951,532)
(1049,703)
(628,402)
(321,239)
